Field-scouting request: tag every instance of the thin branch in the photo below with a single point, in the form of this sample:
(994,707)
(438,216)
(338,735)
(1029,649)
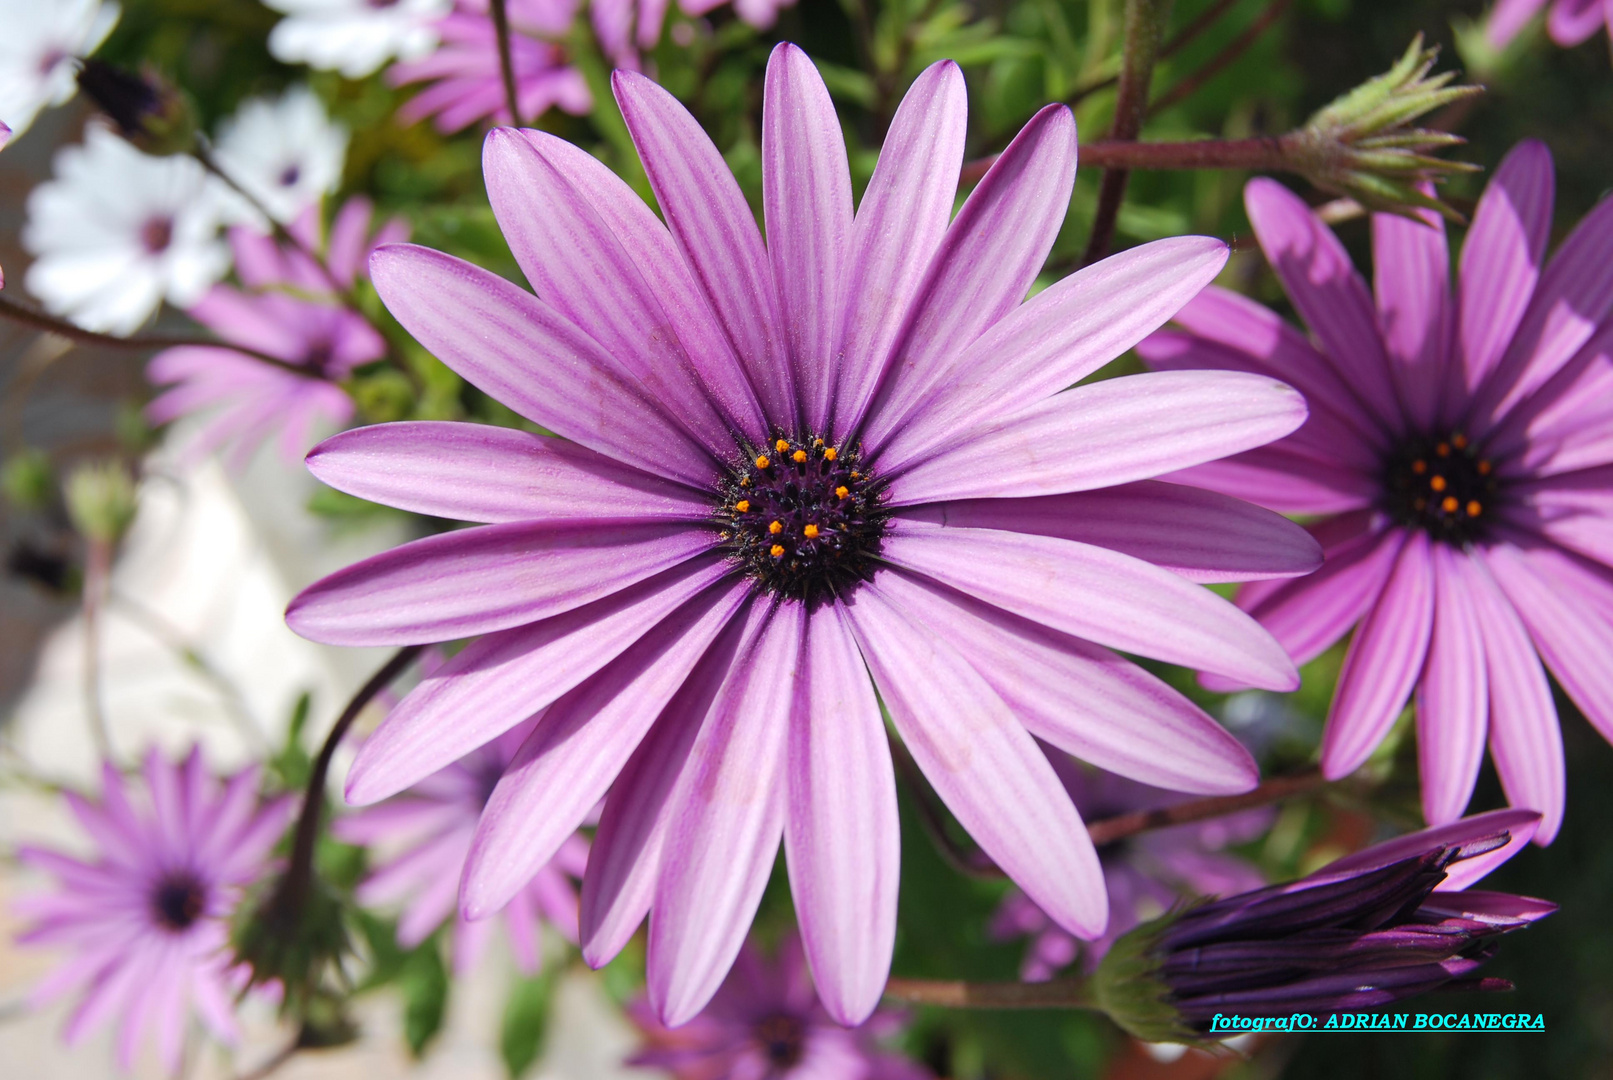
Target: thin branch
(97,569)
(932,814)
(1278,788)
(1260,153)
(1183,37)
(959,994)
(38,320)
(506,62)
(1213,67)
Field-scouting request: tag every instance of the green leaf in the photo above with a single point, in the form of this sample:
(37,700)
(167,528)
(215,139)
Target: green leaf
(526,1021)
(424,985)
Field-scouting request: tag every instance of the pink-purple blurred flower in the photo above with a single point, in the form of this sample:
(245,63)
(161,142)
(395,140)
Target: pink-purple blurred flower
(785,466)
(1459,456)
(626,28)
(466,79)
(1568,22)
(766,1023)
(290,311)
(145,920)
(1146,875)
(429,828)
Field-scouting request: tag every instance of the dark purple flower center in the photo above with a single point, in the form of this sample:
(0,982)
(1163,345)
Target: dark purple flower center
(804,518)
(156,234)
(178,901)
(782,1039)
(290,175)
(1442,485)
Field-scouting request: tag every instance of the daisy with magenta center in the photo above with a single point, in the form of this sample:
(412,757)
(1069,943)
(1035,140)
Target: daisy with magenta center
(791,471)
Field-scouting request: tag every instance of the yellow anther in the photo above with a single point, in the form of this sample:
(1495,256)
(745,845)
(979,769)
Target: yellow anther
(1459,441)
(842,492)
(1419,466)
(799,457)
(776,550)
(742,505)
(1484,468)
(1437,483)
(1473,508)
(1443,449)
(1449,504)
(830,454)
(811,532)
(762,462)
(775,527)
(782,445)
(817,442)
(856,476)
(744,481)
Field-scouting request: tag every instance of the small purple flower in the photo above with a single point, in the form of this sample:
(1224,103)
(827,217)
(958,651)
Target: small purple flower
(1383,924)
(434,822)
(1569,22)
(319,341)
(146,921)
(786,466)
(1459,456)
(1145,875)
(466,76)
(626,28)
(766,1023)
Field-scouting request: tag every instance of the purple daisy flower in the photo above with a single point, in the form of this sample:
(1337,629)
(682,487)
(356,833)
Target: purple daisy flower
(146,921)
(765,1023)
(785,467)
(319,342)
(1386,923)
(1145,875)
(1458,455)
(465,73)
(1569,22)
(434,822)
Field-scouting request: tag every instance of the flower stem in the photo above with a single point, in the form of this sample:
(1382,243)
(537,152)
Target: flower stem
(1206,19)
(1144,29)
(1214,66)
(61,328)
(960,994)
(506,63)
(1278,788)
(1261,153)
(97,569)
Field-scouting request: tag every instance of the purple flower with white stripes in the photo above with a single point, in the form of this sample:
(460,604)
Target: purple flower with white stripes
(784,467)
(1459,454)
(147,920)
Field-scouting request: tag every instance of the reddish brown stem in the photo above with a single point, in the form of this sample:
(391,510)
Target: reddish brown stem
(959,994)
(1236,48)
(40,321)
(1262,153)
(506,63)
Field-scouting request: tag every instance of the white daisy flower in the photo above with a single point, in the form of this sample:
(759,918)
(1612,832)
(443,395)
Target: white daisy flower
(37,47)
(354,37)
(286,153)
(115,232)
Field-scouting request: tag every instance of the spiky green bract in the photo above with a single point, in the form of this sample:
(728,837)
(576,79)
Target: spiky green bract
(294,936)
(1129,986)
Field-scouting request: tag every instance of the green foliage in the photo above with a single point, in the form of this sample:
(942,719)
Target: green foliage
(525,1026)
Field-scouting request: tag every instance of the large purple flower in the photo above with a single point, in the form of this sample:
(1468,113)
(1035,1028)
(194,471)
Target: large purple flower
(1145,875)
(146,921)
(765,1023)
(1458,453)
(433,824)
(786,467)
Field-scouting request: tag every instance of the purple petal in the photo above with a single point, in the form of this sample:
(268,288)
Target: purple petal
(1060,336)
(715,231)
(1106,433)
(670,281)
(1453,697)
(841,835)
(899,225)
(509,344)
(1201,535)
(1095,594)
(487,578)
(1518,824)
(580,267)
(1501,256)
(986,768)
(1411,284)
(574,753)
(985,265)
(1383,663)
(1508,17)
(1526,740)
(1568,423)
(478,472)
(724,833)
(1326,290)
(806,200)
(1570,22)
(1283,481)
(1083,698)
(502,679)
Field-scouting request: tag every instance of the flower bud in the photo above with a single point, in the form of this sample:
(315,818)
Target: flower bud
(148,110)
(101,501)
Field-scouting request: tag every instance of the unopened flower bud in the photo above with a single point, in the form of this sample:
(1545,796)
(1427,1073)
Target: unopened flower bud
(148,110)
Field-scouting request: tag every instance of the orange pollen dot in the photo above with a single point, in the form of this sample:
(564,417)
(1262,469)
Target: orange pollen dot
(782,445)
(1473,508)
(856,476)
(762,462)
(1443,449)
(811,532)
(742,505)
(744,481)
(817,442)
(799,457)
(1449,504)
(1437,483)
(1484,468)
(776,550)
(1419,466)
(1459,441)
(775,527)
(830,454)
(842,492)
